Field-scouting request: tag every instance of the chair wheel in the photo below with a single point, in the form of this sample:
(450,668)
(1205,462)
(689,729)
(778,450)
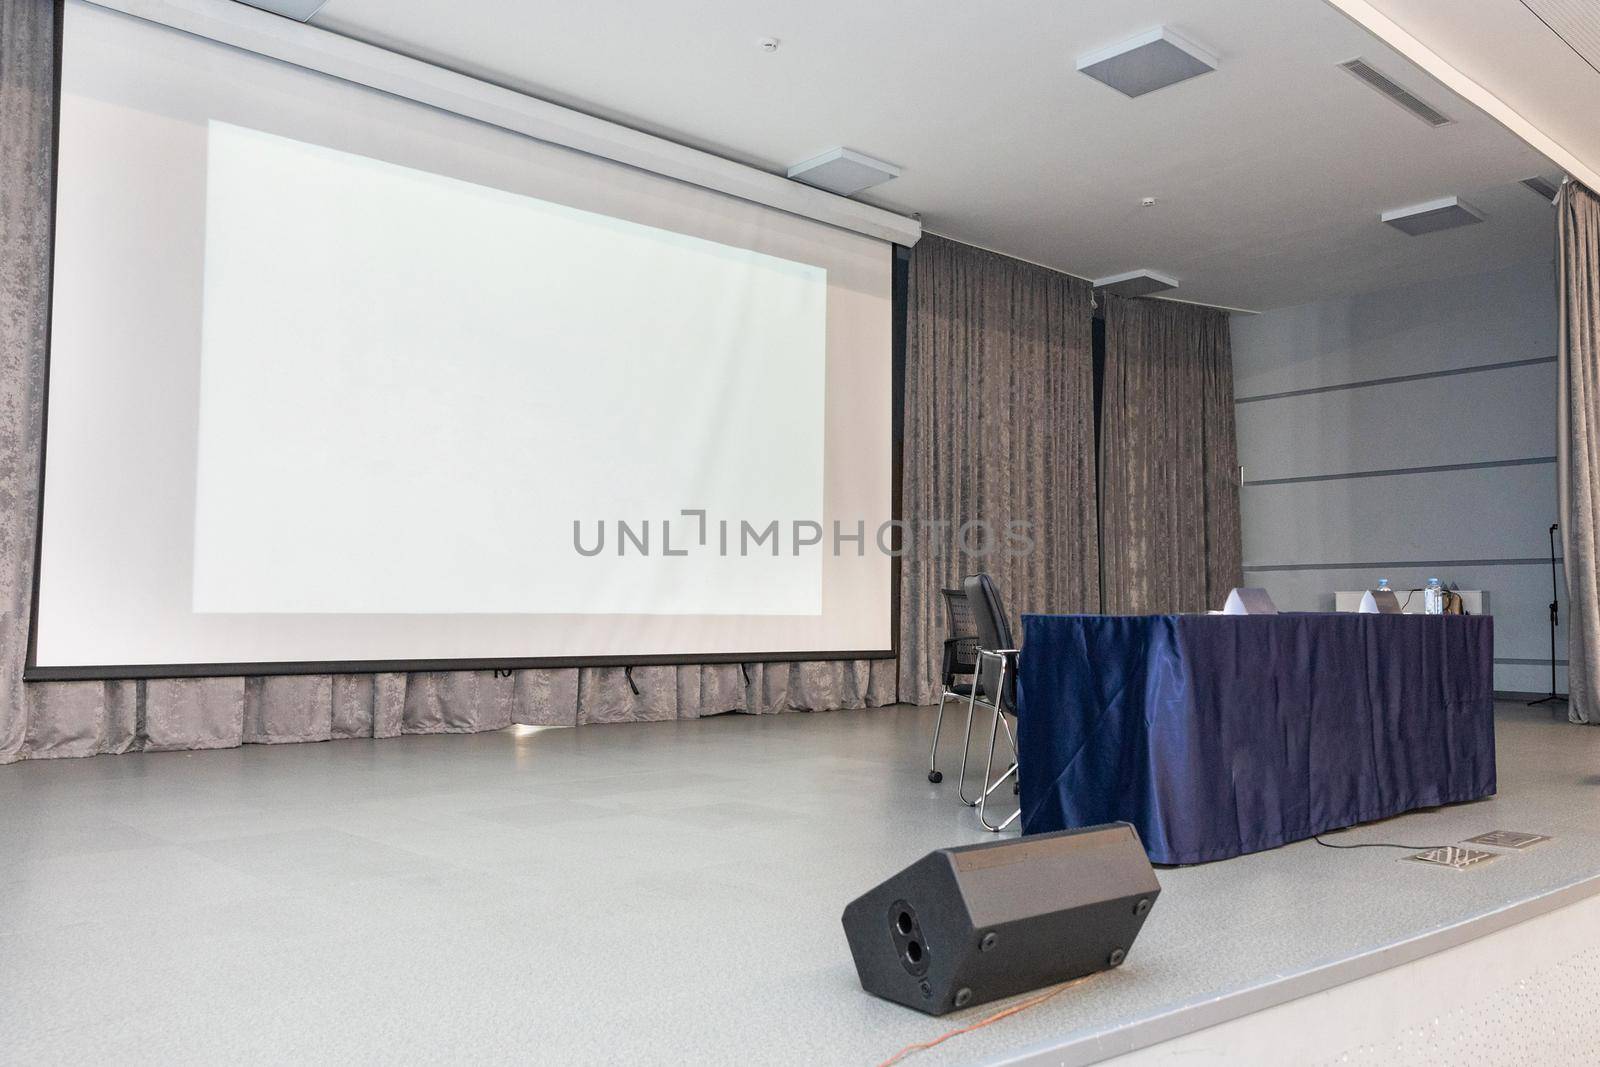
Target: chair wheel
(935,777)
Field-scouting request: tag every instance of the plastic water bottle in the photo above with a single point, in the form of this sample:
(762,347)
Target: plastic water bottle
(1433,598)
(1383,585)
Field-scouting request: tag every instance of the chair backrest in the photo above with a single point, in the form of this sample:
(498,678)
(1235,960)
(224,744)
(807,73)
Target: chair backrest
(961,643)
(994,632)
(958,613)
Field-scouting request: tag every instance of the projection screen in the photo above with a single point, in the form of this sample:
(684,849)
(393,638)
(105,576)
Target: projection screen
(339,378)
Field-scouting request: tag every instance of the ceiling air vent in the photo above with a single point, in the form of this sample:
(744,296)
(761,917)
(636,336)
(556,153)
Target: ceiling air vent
(1383,84)
(1542,186)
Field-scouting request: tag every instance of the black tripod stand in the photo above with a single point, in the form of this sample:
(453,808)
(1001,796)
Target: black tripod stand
(1554,618)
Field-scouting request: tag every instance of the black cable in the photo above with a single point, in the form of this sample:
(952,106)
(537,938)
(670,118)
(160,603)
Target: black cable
(1559,37)
(1376,844)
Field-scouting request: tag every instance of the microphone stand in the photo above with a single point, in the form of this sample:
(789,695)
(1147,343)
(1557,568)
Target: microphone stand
(1554,618)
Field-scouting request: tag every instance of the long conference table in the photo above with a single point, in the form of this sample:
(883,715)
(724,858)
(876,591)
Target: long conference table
(1218,735)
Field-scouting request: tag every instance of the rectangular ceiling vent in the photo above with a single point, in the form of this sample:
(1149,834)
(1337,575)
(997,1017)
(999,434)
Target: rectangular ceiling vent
(839,170)
(1444,214)
(1545,188)
(1404,97)
(1135,283)
(1153,60)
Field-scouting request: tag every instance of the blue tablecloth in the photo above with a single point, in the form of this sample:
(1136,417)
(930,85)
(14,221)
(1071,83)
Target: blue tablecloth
(1217,735)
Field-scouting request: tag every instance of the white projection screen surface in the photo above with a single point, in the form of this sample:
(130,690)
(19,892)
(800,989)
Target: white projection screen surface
(337,379)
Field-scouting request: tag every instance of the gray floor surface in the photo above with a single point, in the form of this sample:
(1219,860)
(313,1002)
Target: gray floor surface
(642,893)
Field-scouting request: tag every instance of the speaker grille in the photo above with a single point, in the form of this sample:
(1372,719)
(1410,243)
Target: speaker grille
(1388,87)
(842,171)
(1150,61)
(1444,214)
(1063,870)
(1135,283)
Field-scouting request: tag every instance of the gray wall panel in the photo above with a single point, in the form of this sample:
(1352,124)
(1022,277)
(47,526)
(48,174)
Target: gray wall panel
(1396,523)
(1491,513)
(1496,317)
(1530,679)
(1496,415)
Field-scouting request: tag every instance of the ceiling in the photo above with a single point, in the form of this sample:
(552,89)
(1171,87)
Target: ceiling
(1540,57)
(1270,173)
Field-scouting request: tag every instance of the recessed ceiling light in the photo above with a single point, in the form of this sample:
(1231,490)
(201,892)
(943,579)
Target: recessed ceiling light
(1135,283)
(1153,60)
(839,170)
(1445,213)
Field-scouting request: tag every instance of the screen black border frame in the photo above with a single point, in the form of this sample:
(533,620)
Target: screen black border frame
(900,257)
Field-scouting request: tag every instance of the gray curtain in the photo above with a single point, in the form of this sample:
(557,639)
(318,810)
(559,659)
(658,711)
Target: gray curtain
(27,67)
(999,428)
(1169,522)
(88,718)
(84,718)
(1578,441)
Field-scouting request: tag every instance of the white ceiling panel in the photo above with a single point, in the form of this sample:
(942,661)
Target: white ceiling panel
(1270,173)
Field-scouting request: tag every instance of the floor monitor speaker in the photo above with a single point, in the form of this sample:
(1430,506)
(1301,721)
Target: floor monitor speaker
(970,924)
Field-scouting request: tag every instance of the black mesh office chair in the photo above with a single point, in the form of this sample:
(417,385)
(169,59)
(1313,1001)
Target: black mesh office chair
(995,686)
(960,659)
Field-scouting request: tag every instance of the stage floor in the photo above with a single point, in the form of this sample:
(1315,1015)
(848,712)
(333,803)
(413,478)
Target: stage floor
(661,892)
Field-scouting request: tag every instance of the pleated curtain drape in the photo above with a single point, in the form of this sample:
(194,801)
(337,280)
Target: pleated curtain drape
(28,33)
(999,430)
(1578,440)
(1169,475)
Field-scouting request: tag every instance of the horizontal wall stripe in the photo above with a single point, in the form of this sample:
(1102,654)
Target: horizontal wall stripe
(1479,368)
(1531,561)
(1390,472)
(1530,662)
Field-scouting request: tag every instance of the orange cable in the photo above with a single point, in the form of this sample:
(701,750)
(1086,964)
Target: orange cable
(979,1025)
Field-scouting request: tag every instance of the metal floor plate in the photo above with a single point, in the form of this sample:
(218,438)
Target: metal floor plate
(1512,839)
(1455,857)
